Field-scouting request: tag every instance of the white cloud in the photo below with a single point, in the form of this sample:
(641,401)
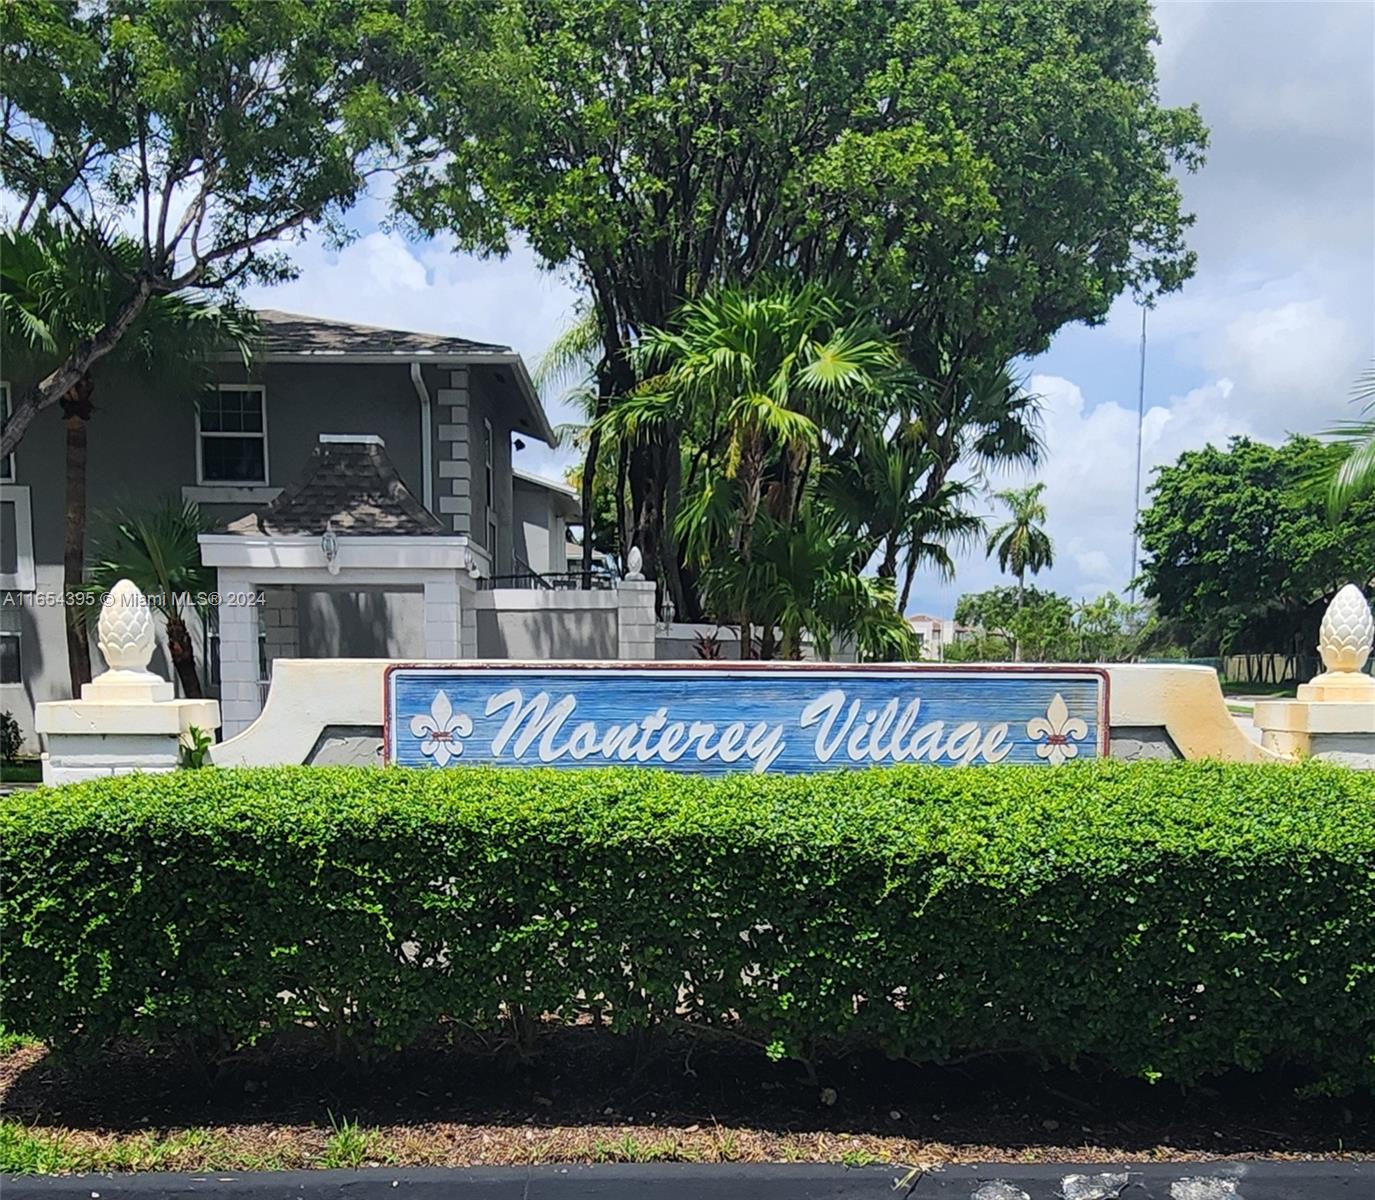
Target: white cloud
(1090,472)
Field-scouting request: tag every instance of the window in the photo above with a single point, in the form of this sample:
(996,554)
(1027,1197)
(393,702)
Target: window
(9,658)
(16,540)
(487,460)
(231,427)
(7,463)
(492,542)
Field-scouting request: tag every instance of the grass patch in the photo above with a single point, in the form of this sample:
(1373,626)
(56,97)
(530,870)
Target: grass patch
(25,1151)
(350,1145)
(26,770)
(12,1043)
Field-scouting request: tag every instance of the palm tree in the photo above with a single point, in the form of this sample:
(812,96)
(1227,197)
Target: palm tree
(575,358)
(762,374)
(1021,543)
(1354,475)
(160,552)
(56,289)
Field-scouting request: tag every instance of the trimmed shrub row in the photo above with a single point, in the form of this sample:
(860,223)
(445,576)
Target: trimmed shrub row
(1167,920)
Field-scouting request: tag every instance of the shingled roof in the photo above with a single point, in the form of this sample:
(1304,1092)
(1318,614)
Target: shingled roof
(349,484)
(293,333)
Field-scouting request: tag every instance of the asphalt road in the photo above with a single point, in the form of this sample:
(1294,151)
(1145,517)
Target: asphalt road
(678,1181)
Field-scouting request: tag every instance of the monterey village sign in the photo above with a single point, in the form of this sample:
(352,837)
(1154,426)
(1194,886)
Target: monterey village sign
(714,719)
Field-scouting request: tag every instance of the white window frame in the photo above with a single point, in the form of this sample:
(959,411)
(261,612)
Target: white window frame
(23,577)
(19,656)
(7,463)
(201,435)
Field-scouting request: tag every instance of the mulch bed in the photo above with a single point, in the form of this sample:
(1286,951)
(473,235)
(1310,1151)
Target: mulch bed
(455,1101)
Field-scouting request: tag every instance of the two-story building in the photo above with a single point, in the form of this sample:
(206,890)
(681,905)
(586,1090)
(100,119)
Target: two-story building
(358,478)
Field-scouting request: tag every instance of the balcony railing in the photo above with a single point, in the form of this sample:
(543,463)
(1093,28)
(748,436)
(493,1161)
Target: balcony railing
(552,581)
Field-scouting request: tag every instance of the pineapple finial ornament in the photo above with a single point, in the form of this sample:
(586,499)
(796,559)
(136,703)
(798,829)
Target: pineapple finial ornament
(1344,641)
(125,632)
(1347,631)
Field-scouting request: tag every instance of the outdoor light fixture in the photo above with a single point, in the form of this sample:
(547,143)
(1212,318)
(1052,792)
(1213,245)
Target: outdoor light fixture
(329,544)
(666,614)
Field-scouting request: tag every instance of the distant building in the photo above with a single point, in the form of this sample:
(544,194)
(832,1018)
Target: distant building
(936,633)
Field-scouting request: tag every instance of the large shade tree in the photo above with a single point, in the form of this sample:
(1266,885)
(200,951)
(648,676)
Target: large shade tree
(1238,551)
(208,133)
(981,173)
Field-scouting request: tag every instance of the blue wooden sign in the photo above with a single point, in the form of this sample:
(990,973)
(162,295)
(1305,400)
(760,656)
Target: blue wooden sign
(714,718)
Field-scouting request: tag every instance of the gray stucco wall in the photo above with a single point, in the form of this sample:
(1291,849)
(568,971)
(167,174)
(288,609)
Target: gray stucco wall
(142,450)
(336,623)
(547,634)
(535,526)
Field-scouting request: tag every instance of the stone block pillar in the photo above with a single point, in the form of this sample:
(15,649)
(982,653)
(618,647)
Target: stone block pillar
(635,627)
(453,498)
(442,617)
(467,615)
(127,718)
(240,686)
(1333,717)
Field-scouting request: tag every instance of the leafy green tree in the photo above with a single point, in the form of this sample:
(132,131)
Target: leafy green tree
(944,160)
(1048,627)
(208,132)
(160,552)
(1238,551)
(1021,543)
(57,291)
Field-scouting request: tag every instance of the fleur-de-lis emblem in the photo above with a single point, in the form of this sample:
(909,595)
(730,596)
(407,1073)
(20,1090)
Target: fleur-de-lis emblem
(1060,731)
(441,730)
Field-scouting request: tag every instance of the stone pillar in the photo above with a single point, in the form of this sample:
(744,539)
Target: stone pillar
(453,496)
(281,625)
(635,628)
(240,690)
(1333,717)
(127,718)
(442,616)
(467,614)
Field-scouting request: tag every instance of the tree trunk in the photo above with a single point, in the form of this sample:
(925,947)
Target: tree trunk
(589,468)
(76,412)
(1021,591)
(182,650)
(752,468)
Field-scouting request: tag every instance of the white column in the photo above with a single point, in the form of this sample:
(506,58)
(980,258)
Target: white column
(442,616)
(635,628)
(240,701)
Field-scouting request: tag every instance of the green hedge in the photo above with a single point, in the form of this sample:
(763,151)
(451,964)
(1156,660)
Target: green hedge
(1168,920)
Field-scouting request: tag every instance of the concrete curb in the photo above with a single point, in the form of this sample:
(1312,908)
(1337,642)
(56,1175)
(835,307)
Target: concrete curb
(1260,1180)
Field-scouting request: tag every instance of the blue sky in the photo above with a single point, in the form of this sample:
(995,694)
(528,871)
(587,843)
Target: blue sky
(1266,339)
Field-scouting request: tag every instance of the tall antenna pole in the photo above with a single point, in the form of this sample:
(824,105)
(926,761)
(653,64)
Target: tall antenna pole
(1140,421)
